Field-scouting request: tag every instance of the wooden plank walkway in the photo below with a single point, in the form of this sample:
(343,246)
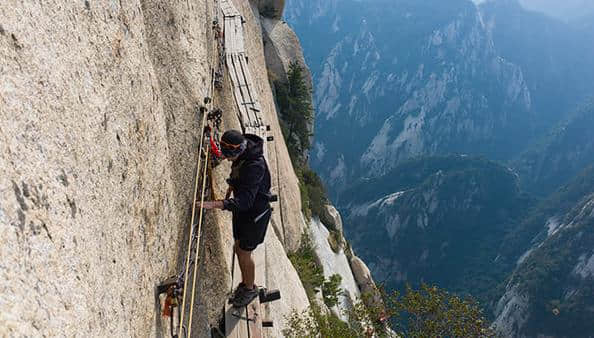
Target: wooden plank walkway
(237,63)
(245,322)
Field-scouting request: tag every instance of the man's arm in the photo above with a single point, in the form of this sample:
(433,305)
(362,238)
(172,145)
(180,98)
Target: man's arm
(211,204)
(216,204)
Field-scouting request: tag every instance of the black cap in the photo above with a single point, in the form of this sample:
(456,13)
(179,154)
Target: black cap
(233,137)
(233,143)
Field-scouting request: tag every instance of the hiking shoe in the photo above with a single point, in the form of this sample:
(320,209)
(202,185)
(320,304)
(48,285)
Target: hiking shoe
(238,290)
(245,297)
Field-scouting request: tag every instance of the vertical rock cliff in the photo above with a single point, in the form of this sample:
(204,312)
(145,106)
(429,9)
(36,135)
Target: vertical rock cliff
(96,151)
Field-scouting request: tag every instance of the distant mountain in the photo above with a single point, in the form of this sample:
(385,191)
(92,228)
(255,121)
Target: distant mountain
(455,139)
(551,291)
(437,219)
(399,80)
(560,155)
(406,78)
(557,59)
(464,224)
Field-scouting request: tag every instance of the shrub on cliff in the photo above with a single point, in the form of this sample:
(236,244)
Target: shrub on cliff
(331,290)
(310,272)
(426,312)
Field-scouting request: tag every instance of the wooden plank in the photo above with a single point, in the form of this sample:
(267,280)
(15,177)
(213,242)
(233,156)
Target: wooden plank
(239,91)
(250,98)
(234,35)
(261,119)
(248,76)
(242,118)
(246,321)
(251,130)
(254,108)
(244,87)
(263,135)
(235,327)
(228,8)
(239,34)
(246,79)
(229,36)
(259,259)
(254,312)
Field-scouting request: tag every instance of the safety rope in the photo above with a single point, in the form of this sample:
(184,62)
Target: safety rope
(195,231)
(198,243)
(188,253)
(280,201)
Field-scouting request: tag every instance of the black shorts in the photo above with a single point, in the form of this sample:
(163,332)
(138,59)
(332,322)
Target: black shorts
(250,228)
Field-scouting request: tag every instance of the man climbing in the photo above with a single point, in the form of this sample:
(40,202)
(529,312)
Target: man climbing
(250,183)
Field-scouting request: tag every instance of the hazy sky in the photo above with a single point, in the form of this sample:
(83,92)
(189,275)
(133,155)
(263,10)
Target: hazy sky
(563,9)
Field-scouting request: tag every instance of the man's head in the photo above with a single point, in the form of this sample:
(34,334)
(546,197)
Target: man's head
(233,144)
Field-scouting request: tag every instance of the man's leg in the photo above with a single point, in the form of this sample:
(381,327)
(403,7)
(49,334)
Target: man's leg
(246,265)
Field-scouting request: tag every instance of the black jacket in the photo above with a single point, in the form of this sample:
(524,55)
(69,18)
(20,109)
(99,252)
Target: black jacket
(250,179)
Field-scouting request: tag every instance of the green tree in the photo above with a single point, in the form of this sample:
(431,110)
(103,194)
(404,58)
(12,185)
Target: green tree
(294,99)
(315,192)
(331,290)
(433,312)
(426,312)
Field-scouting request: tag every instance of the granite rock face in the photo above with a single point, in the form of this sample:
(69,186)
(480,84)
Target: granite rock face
(270,8)
(365,280)
(91,172)
(335,263)
(98,152)
(282,47)
(336,218)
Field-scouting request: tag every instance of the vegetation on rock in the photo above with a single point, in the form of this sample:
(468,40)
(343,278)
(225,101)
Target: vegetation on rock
(554,274)
(335,240)
(331,290)
(294,100)
(311,273)
(305,262)
(426,312)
